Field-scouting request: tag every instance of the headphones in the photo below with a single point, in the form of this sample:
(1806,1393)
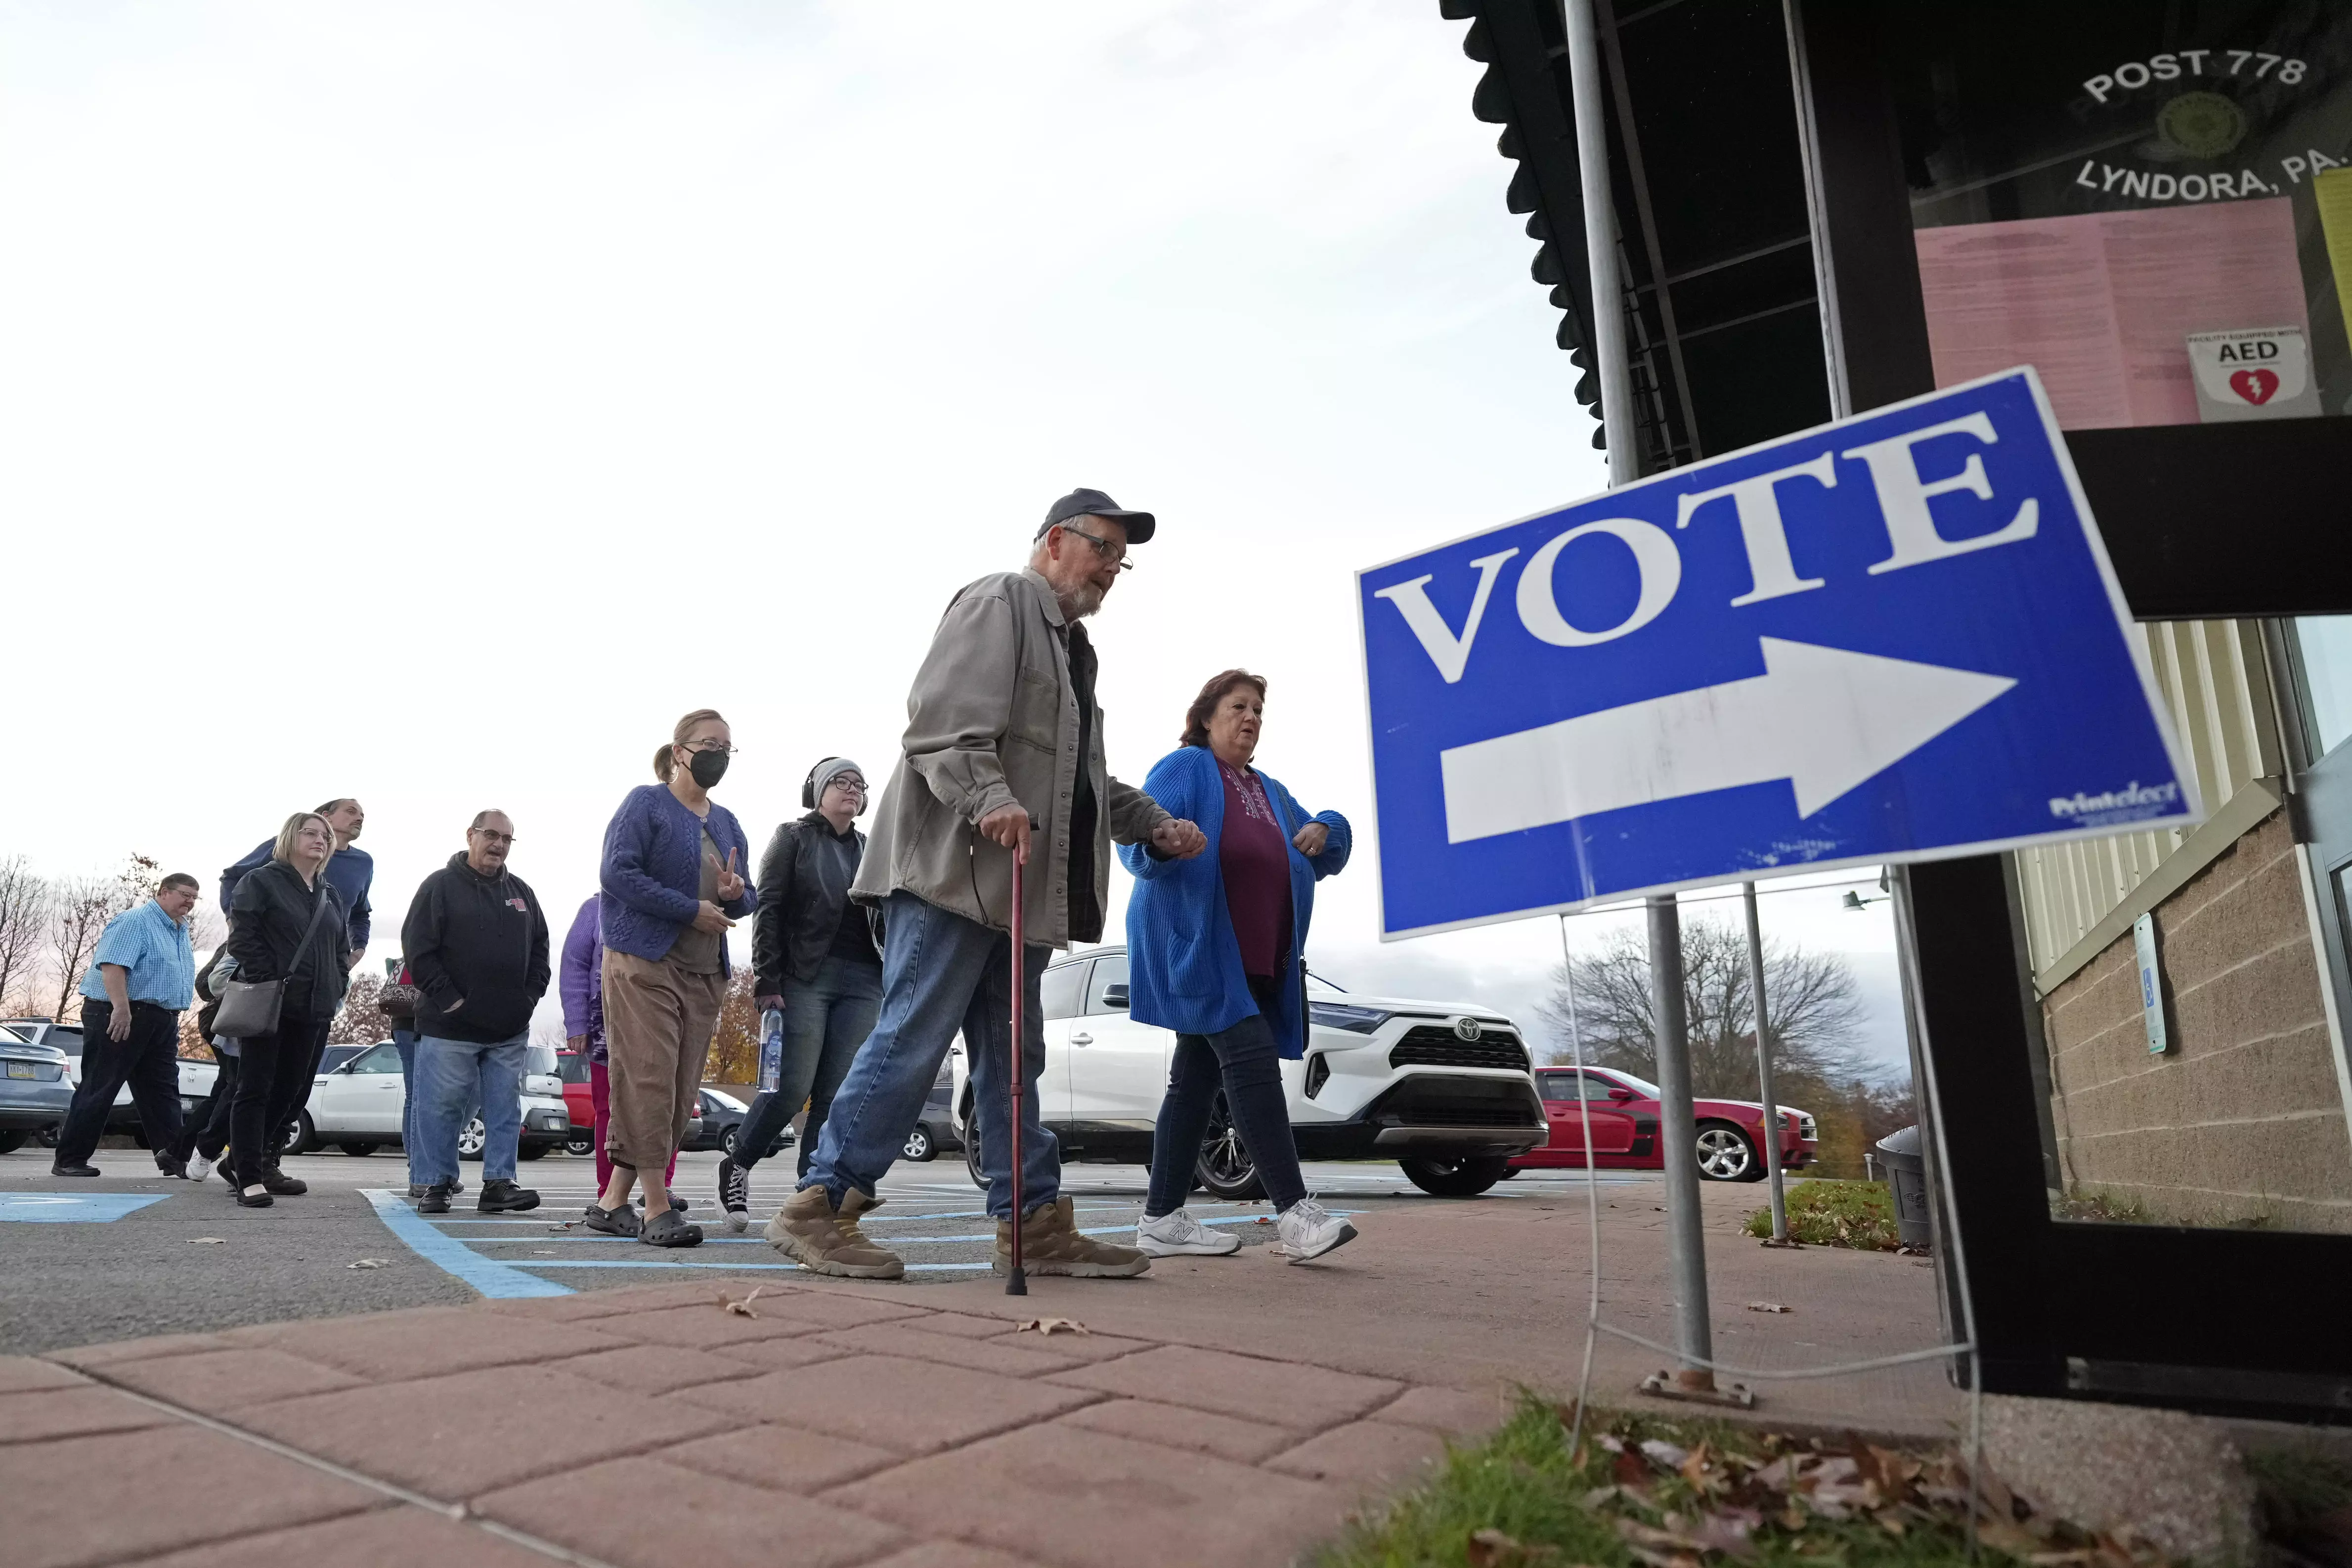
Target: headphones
(808,789)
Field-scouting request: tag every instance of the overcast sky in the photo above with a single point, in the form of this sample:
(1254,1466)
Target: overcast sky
(432,402)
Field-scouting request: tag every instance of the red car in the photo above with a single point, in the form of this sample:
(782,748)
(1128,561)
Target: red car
(1623,1112)
(571,1067)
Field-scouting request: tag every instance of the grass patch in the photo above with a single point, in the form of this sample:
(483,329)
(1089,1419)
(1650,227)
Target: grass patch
(1650,1493)
(1837,1214)
(2303,1496)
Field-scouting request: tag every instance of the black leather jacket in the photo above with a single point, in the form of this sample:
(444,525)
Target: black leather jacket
(268,918)
(803,884)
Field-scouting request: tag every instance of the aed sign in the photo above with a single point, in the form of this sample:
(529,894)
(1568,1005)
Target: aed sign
(1895,638)
(2256,373)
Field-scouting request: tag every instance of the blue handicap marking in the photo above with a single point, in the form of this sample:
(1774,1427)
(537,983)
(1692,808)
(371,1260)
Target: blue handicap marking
(73,1209)
(1895,638)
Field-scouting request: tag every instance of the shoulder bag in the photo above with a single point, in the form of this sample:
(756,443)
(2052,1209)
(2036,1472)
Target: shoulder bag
(250,1007)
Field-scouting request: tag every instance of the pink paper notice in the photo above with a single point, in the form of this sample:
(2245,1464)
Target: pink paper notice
(2102,304)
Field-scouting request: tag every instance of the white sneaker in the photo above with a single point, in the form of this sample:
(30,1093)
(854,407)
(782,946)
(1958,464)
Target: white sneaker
(198,1167)
(1307,1230)
(1179,1233)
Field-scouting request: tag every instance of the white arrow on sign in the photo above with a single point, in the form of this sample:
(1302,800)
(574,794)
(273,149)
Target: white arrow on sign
(1822,717)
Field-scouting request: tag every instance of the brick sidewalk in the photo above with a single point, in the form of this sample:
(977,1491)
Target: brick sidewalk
(645,1429)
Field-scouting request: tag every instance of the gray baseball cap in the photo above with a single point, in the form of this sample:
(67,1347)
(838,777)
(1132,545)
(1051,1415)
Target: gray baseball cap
(1094,503)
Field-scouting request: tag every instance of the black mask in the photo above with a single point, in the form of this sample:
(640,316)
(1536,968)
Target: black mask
(708,768)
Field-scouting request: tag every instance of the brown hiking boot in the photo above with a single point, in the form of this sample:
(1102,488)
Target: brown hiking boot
(1050,1244)
(854,1204)
(811,1232)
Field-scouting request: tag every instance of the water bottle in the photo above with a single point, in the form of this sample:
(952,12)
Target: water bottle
(771,1049)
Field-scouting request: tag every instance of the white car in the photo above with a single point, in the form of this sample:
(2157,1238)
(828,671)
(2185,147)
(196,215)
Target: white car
(357,1107)
(1444,1088)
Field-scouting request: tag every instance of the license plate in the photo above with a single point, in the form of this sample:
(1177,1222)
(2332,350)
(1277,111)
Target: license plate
(20,1069)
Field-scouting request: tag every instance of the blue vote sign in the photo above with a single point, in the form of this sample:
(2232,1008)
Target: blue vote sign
(1895,638)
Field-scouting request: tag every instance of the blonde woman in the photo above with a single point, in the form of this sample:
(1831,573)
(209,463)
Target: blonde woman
(673,886)
(278,931)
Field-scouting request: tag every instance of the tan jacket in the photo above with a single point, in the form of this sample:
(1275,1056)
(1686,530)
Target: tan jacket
(993,721)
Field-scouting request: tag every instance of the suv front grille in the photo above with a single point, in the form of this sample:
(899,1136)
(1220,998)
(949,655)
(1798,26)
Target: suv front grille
(1439,1048)
(1426,1100)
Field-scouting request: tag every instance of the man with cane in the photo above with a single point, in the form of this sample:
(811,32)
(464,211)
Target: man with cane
(1002,762)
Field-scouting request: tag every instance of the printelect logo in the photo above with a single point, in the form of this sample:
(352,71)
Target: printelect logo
(2133,800)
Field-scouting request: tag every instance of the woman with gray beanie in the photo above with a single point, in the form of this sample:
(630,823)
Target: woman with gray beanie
(818,958)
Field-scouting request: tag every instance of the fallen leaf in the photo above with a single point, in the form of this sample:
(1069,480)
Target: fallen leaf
(567,1224)
(2002,1536)
(1051,1326)
(371,1263)
(205,1241)
(1491,1548)
(1665,1454)
(742,1308)
(1631,1471)
(1766,1307)
(1688,1544)
(1260,1220)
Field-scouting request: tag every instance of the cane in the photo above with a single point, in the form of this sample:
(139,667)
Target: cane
(1017,1283)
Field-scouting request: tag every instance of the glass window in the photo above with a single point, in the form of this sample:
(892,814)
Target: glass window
(1557,1086)
(2324,644)
(2151,205)
(572,1065)
(381,1059)
(1109,969)
(1064,985)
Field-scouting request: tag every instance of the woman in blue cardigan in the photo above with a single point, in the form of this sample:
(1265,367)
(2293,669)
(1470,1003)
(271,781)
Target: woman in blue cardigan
(672,877)
(1214,947)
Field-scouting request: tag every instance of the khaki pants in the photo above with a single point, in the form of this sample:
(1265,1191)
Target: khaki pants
(657,1024)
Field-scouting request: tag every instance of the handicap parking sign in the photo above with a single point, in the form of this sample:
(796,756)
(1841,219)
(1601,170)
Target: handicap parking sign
(1894,638)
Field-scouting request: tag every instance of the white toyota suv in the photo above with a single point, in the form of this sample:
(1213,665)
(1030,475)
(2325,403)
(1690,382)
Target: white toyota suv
(1443,1089)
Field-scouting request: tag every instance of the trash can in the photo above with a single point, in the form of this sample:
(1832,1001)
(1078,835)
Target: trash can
(1906,1173)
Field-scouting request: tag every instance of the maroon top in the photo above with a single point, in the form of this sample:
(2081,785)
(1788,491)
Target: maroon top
(1255,856)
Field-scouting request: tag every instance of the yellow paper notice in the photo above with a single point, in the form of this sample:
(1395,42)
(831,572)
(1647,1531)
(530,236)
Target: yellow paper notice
(2333,190)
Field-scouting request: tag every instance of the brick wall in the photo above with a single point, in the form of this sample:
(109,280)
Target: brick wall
(2239,1120)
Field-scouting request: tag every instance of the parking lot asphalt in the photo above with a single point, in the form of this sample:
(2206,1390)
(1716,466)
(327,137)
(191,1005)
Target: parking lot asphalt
(135,1253)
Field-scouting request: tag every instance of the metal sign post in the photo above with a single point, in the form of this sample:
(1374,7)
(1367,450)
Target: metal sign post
(1669,1017)
(1764,1067)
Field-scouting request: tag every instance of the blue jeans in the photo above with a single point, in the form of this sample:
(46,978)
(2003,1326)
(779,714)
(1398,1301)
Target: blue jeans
(452,1078)
(941,972)
(1246,1061)
(826,1019)
(404,1042)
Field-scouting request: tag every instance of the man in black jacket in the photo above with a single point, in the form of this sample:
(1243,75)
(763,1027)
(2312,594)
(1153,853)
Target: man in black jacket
(475,946)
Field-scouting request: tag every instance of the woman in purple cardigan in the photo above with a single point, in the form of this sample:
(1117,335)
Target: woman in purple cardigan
(672,877)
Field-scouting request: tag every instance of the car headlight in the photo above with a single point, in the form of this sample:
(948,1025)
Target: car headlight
(1346,1016)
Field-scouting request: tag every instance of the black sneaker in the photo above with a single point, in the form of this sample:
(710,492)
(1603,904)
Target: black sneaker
(435,1200)
(253,1200)
(622,1221)
(734,1193)
(503,1196)
(668,1228)
(73,1170)
(416,1189)
(284,1185)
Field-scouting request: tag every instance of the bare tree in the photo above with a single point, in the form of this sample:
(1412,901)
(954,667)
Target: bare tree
(78,911)
(24,927)
(79,908)
(1814,1009)
(362,1020)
